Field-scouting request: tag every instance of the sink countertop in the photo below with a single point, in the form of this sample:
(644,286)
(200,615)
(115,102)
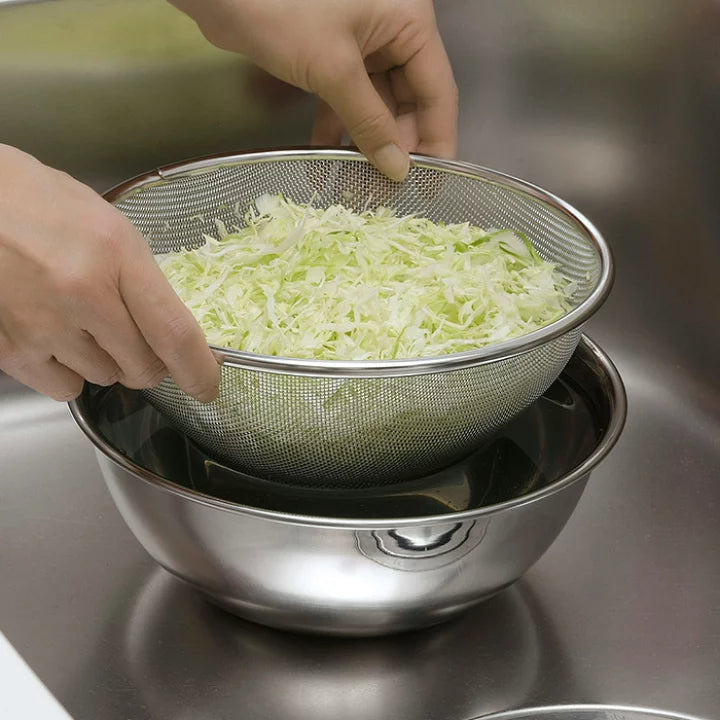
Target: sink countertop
(612,108)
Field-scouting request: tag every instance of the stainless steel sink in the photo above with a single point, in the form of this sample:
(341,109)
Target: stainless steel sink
(612,106)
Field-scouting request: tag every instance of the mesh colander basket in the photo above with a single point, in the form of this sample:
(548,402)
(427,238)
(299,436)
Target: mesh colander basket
(363,423)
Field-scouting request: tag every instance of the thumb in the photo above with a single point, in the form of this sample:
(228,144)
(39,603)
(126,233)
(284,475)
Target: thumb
(368,120)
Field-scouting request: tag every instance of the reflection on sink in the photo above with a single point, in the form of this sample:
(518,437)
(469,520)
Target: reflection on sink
(433,673)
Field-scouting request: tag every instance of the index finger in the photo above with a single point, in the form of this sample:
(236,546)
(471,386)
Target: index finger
(431,88)
(168,326)
(349,91)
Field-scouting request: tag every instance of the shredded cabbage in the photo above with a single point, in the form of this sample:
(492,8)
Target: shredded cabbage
(305,282)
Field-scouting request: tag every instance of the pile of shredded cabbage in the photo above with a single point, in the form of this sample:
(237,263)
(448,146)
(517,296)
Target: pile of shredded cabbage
(305,282)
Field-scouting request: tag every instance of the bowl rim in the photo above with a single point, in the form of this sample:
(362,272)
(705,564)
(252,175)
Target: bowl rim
(531,713)
(406,366)
(618,414)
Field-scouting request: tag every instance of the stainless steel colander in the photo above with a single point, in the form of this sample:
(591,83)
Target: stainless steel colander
(362,423)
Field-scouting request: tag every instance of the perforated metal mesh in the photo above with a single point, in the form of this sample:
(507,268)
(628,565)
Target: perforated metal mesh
(334,430)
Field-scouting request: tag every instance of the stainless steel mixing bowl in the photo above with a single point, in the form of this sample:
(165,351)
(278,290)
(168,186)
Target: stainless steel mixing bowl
(587,712)
(355,576)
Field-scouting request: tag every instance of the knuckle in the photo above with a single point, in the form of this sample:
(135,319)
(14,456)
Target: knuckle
(112,236)
(330,71)
(369,125)
(412,33)
(76,281)
(178,331)
(116,229)
(149,375)
(75,286)
(323,70)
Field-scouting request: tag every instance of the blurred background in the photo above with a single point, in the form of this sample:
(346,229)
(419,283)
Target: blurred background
(613,106)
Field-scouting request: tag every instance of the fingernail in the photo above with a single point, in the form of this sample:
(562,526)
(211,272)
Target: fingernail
(219,356)
(393,161)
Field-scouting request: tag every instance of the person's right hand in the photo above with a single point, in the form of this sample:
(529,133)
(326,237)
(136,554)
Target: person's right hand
(81,296)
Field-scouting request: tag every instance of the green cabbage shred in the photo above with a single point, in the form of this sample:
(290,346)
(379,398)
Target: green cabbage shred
(305,282)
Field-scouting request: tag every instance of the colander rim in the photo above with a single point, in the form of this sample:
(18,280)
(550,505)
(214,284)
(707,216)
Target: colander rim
(406,366)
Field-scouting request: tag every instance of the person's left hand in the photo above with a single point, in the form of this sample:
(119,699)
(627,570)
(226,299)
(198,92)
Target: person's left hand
(379,66)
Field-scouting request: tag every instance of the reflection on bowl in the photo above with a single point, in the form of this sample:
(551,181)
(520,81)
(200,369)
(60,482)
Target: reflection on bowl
(189,660)
(353,564)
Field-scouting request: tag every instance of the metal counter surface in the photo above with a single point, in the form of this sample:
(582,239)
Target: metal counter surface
(612,106)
